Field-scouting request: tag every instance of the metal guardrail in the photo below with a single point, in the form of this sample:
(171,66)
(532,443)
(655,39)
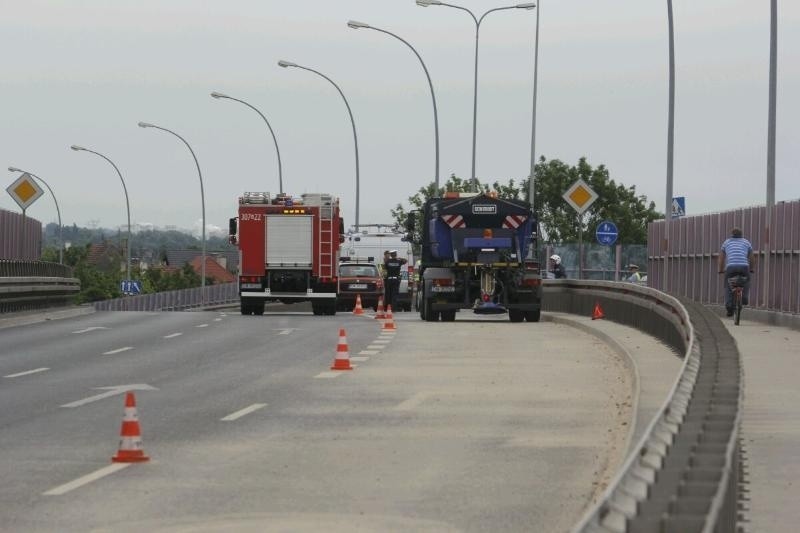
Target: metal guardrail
(34,285)
(683,474)
(177,300)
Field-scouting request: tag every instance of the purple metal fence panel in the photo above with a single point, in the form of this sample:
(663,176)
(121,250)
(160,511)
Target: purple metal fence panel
(176,300)
(17,242)
(695,242)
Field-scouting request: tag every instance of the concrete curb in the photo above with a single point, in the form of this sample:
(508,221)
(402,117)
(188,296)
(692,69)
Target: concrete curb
(24,318)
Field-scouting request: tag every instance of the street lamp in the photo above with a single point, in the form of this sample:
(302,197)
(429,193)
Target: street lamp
(356,25)
(202,200)
(58,211)
(127,203)
(670,145)
(531,184)
(274,139)
(427,3)
(286,64)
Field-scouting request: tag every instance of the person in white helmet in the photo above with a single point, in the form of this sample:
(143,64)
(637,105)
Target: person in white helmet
(558,270)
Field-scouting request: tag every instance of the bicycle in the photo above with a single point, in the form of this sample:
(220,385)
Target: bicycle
(737,283)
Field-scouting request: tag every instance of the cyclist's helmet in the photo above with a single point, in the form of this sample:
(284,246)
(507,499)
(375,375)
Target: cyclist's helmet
(556,259)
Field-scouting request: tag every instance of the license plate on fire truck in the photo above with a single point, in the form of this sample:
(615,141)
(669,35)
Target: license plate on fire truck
(355,286)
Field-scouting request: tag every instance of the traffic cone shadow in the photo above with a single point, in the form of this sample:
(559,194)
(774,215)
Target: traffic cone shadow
(342,360)
(358,310)
(597,312)
(131,449)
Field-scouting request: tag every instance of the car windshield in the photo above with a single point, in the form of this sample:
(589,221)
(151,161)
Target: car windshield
(358,271)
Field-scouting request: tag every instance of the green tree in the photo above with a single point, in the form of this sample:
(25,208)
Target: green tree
(557,220)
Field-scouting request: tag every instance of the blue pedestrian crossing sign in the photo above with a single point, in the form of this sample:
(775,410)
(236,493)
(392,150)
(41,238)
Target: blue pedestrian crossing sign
(679,206)
(130,286)
(606,233)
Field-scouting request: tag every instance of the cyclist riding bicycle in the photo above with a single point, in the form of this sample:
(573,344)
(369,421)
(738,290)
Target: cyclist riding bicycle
(736,258)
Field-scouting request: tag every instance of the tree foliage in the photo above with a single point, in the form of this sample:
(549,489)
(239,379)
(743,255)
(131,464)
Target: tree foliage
(557,219)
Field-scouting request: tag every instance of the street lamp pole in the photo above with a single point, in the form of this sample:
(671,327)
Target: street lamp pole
(531,184)
(426,3)
(771,128)
(670,145)
(274,139)
(202,199)
(356,25)
(58,211)
(286,64)
(127,202)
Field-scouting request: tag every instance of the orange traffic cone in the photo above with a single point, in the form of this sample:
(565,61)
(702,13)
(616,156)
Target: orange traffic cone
(130,442)
(388,324)
(358,309)
(379,313)
(598,311)
(342,361)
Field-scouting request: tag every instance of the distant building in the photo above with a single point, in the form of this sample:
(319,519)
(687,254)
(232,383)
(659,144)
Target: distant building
(106,257)
(214,270)
(229,259)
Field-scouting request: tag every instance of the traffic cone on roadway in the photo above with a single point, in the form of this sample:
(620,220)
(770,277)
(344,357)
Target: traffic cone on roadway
(598,311)
(130,442)
(342,360)
(358,309)
(388,324)
(379,313)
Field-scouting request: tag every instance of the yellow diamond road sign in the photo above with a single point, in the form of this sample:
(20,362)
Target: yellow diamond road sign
(25,191)
(580,196)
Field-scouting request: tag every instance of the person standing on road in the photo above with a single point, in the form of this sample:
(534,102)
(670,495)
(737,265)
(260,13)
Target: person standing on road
(391,267)
(557,269)
(736,258)
(634,276)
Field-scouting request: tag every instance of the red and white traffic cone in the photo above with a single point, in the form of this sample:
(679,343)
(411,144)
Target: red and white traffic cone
(130,442)
(358,310)
(388,324)
(379,313)
(342,360)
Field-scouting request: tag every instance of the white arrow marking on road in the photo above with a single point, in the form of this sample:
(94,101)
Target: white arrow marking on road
(118,350)
(242,412)
(92,328)
(26,373)
(88,478)
(111,391)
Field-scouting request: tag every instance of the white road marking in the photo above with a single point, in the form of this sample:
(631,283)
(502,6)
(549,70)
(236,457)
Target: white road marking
(328,375)
(172,335)
(217,320)
(359,359)
(111,391)
(286,331)
(381,341)
(118,350)
(388,332)
(201,326)
(81,481)
(243,412)
(27,373)
(92,328)
(412,402)
(376,347)
(369,352)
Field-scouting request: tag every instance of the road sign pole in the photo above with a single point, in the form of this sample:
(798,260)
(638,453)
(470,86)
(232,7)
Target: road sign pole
(580,245)
(22,237)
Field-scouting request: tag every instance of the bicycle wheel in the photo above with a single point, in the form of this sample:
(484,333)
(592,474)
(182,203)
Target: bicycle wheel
(737,309)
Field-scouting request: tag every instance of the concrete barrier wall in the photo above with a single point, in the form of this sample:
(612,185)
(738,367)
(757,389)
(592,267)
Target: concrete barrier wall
(683,473)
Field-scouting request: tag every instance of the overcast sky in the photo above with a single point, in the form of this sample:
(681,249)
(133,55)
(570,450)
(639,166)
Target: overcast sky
(86,71)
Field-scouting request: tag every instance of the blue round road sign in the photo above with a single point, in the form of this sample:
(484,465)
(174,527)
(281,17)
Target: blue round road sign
(606,233)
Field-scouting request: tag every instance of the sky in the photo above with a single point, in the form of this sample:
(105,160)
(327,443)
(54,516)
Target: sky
(86,72)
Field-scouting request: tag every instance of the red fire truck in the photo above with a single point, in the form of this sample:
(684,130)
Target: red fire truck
(288,250)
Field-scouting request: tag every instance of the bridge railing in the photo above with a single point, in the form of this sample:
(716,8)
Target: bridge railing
(177,300)
(35,285)
(682,475)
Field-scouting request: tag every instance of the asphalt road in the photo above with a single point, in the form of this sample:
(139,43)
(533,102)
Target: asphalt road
(476,425)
